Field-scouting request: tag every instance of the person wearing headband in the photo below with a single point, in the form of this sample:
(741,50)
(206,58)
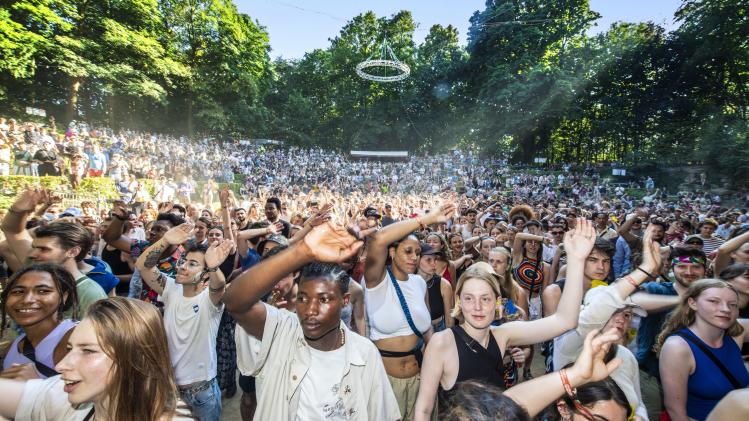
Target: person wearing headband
(687,265)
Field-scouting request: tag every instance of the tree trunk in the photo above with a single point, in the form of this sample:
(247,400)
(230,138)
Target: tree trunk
(189,115)
(72,111)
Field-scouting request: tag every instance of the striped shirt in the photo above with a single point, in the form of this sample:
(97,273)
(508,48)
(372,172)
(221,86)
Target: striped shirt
(711,244)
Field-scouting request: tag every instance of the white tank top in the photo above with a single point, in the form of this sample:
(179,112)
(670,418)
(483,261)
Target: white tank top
(386,317)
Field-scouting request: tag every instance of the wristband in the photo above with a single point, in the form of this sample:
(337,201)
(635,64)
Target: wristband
(571,392)
(645,272)
(631,281)
(209,270)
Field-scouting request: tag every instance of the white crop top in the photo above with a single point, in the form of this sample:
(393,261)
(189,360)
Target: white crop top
(386,317)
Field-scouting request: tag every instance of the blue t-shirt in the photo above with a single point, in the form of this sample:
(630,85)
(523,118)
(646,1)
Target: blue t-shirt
(650,328)
(102,274)
(250,260)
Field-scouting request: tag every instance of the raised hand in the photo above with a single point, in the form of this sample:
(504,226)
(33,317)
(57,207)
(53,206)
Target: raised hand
(578,242)
(439,214)
(30,199)
(330,243)
(165,207)
(589,366)
(651,252)
(223,196)
(119,210)
(321,216)
(179,234)
(217,253)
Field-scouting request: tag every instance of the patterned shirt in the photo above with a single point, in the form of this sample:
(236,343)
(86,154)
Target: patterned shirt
(168,266)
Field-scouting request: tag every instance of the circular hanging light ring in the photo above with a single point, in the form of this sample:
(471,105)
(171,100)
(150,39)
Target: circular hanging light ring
(392,64)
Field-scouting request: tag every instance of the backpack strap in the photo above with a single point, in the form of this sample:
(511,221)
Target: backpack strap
(30,353)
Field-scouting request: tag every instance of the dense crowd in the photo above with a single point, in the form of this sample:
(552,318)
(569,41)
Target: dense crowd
(332,289)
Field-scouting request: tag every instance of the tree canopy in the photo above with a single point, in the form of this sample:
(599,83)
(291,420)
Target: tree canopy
(532,81)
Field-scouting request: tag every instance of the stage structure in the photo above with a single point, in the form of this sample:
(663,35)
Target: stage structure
(386,60)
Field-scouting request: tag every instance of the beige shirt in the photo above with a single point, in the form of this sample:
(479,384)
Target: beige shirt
(568,346)
(281,360)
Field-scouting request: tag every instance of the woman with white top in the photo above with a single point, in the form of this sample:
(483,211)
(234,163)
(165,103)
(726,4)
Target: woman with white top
(35,298)
(117,368)
(397,303)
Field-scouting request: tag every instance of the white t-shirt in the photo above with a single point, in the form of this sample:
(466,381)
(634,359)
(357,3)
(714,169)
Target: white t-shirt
(319,399)
(46,400)
(191,328)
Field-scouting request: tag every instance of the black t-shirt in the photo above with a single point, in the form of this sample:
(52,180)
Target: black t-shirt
(286,227)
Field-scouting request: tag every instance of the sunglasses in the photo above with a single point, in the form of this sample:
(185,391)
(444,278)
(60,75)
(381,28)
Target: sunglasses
(557,232)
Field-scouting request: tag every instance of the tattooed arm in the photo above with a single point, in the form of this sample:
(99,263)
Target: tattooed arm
(147,262)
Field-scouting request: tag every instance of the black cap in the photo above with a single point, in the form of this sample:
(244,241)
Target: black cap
(427,250)
(275,238)
(371,212)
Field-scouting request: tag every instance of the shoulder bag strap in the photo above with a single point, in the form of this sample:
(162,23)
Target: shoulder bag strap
(712,357)
(404,305)
(30,353)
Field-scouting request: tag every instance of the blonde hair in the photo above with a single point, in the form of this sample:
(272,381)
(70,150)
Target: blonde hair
(131,333)
(684,316)
(507,284)
(480,271)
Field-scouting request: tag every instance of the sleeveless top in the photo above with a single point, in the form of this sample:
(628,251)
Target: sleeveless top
(112,258)
(744,314)
(446,274)
(436,303)
(475,362)
(708,385)
(386,317)
(530,275)
(44,351)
